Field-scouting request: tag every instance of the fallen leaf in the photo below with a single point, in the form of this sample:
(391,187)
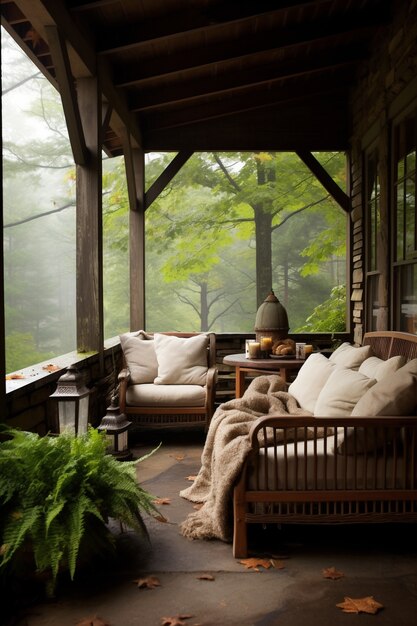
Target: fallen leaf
(277,563)
(191,477)
(162,501)
(14,376)
(205,577)
(360,605)
(255,563)
(51,367)
(198,506)
(92,621)
(332,572)
(178,457)
(175,620)
(161,518)
(150,582)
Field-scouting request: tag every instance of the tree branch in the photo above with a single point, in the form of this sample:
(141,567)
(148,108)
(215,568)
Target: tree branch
(223,168)
(35,217)
(307,206)
(20,83)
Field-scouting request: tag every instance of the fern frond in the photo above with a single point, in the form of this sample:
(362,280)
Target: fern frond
(16,529)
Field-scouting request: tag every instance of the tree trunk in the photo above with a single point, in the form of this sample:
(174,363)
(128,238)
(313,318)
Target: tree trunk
(203,308)
(263,234)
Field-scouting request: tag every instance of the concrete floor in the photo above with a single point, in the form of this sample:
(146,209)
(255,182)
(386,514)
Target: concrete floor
(376,561)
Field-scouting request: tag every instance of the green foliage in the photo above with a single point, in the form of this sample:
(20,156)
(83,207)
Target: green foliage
(22,351)
(57,495)
(329,316)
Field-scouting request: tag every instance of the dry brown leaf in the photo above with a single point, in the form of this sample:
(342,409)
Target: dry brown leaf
(255,563)
(162,501)
(206,577)
(14,376)
(332,572)
(175,620)
(93,621)
(178,457)
(277,563)
(198,505)
(192,477)
(360,605)
(150,582)
(51,367)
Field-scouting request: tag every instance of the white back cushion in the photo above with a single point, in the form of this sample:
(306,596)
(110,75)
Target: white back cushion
(350,356)
(181,361)
(310,381)
(341,392)
(140,357)
(373,367)
(395,394)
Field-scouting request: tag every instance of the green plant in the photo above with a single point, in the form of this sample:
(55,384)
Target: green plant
(57,495)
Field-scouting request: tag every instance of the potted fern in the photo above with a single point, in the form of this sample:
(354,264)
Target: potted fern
(57,495)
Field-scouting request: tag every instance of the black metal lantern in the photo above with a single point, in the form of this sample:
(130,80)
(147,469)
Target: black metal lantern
(116,426)
(73,399)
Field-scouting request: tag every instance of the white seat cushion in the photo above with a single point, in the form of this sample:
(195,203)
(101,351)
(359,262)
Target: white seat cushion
(165,395)
(310,381)
(181,360)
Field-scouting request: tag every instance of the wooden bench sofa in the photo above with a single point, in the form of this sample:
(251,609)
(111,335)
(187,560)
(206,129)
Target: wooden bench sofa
(345,470)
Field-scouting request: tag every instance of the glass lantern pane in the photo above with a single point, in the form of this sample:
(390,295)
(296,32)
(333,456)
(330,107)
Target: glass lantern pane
(83,415)
(66,414)
(122,441)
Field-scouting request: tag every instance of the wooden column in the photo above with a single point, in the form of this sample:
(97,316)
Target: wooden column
(90,334)
(135,175)
(383,258)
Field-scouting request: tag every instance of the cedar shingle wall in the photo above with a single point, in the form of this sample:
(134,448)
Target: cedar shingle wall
(383,90)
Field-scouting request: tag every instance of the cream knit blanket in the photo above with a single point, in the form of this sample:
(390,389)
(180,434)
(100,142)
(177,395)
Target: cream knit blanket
(226,448)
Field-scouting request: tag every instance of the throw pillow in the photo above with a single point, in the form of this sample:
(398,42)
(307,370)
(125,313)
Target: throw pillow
(395,394)
(181,360)
(350,356)
(377,368)
(341,392)
(310,381)
(140,357)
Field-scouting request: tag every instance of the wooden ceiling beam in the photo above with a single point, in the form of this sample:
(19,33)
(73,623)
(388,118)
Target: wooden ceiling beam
(203,86)
(82,55)
(68,94)
(191,23)
(141,103)
(278,96)
(143,35)
(260,46)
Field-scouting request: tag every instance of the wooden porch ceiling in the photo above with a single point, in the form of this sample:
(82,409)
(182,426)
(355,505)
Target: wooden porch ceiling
(212,74)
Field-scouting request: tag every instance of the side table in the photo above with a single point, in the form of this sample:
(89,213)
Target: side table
(243,365)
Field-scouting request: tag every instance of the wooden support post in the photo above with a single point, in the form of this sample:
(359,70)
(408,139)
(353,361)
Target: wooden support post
(135,175)
(167,175)
(325,179)
(90,333)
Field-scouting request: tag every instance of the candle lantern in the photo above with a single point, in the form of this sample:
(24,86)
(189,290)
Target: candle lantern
(271,319)
(72,398)
(116,426)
